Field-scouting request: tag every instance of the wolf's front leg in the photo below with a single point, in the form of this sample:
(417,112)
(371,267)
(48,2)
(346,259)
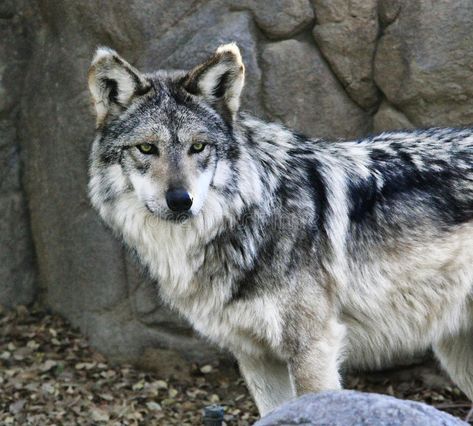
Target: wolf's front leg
(314,366)
(268,380)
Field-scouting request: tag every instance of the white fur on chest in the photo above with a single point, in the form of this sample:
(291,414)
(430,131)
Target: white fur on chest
(171,253)
(168,250)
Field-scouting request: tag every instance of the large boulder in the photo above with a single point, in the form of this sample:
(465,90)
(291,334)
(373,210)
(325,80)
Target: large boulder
(346,33)
(424,60)
(17,272)
(199,36)
(357,409)
(300,90)
(280,18)
(389,118)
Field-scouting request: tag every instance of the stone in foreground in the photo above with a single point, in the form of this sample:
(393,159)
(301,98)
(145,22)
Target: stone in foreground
(356,408)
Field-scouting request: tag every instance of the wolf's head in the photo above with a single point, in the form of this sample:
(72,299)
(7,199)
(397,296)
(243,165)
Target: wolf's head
(162,135)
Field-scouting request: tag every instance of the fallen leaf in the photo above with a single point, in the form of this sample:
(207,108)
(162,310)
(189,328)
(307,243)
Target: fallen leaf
(206,369)
(153,406)
(47,365)
(100,415)
(17,406)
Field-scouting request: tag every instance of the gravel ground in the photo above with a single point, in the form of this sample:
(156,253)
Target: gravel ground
(50,376)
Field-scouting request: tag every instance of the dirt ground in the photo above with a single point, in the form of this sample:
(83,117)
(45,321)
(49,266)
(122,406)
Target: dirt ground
(50,376)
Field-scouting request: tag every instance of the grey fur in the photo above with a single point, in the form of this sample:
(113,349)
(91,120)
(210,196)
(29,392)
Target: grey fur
(298,254)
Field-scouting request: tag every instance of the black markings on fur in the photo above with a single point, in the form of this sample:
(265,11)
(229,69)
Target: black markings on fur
(307,183)
(232,150)
(249,283)
(109,154)
(222,85)
(362,196)
(204,161)
(191,81)
(140,88)
(407,186)
(248,132)
(141,166)
(112,87)
(217,95)
(404,198)
(109,157)
(318,189)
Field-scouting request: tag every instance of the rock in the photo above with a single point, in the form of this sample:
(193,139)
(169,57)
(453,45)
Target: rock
(7,133)
(165,363)
(424,62)
(17,271)
(203,41)
(124,339)
(281,18)
(330,11)
(300,91)
(389,118)
(7,9)
(17,274)
(346,33)
(356,408)
(13,51)
(388,11)
(9,168)
(147,306)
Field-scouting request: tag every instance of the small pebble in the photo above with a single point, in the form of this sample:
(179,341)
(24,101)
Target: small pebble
(206,369)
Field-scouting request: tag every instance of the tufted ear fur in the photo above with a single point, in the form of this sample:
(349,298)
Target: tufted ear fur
(113,83)
(219,80)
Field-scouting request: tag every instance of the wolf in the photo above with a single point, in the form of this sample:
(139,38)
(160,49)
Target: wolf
(300,256)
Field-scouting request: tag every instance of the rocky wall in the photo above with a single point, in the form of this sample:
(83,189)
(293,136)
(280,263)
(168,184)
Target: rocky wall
(17,270)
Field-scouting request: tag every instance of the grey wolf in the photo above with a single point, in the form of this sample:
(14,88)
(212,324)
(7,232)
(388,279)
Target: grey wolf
(299,255)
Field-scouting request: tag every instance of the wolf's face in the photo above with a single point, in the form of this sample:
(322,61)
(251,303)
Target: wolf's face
(172,161)
(164,134)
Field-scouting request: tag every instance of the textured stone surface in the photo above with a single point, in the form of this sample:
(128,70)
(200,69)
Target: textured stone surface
(202,41)
(357,409)
(389,118)
(388,10)
(424,62)
(317,80)
(346,33)
(9,168)
(17,273)
(300,90)
(280,18)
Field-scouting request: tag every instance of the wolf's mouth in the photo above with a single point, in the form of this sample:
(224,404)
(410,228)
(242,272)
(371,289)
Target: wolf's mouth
(170,216)
(179,218)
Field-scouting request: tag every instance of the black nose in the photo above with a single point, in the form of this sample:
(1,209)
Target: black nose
(178,200)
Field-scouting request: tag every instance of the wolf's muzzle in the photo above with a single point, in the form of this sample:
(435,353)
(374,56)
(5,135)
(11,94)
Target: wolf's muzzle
(178,200)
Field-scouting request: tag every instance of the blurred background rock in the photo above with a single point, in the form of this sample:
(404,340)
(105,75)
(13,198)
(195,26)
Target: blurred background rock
(329,68)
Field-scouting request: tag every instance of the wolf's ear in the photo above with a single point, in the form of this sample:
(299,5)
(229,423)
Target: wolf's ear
(219,80)
(113,83)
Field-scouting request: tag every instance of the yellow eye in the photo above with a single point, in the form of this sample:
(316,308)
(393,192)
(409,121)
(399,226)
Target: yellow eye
(147,148)
(197,147)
